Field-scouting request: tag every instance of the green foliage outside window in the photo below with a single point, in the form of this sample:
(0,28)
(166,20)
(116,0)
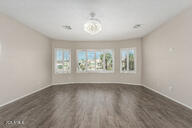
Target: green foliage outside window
(59,66)
(99,62)
(128,60)
(108,61)
(131,62)
(124,64)
(82,65)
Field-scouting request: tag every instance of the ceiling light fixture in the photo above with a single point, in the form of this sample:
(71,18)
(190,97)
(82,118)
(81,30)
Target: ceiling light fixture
(93,26)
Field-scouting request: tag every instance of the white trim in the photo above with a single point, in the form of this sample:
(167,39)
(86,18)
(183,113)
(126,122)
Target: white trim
(18,98)
(55,84)
(190,107)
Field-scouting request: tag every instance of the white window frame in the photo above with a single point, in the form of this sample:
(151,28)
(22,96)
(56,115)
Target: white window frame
(94,50)
(135,60)
(55,60)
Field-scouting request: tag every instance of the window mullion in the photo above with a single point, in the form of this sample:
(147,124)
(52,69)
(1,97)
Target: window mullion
(95,59)
(86,60)
(69,60)
(128,60)
(63,59)
(104,59)
(135,59)
(55,51)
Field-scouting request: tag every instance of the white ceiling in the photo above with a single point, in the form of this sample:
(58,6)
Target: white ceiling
(117,16)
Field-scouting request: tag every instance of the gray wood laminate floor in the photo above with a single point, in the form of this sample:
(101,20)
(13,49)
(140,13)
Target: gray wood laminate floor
(96,106)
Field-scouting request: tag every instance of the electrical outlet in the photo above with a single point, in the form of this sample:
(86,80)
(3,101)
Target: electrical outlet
(170,88)
(171,49)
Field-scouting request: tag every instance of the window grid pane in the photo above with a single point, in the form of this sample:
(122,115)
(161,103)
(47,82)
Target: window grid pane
(99,61)
(82,58)
(108,60)
(66,61)
(59,53)
(124,60)
(91,61)
(62,64)
(131,60)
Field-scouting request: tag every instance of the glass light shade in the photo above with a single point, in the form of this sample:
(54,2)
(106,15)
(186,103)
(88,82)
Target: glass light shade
(92,27)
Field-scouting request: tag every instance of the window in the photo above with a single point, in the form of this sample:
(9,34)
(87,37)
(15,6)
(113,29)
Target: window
(91,61)
(82,58)
(95,60)
(62,60)
(128,60)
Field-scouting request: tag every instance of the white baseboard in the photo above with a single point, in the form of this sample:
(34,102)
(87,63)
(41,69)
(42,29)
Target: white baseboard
(168,97)
(96,83)
(1,105)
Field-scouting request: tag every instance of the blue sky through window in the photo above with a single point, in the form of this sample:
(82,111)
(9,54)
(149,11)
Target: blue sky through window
(82,55)
(123,54)
(131,51)
(98,54)
(66,55)
(59,55)
(91,55)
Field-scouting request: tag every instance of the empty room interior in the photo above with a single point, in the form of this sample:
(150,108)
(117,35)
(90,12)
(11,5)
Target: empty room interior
(95,64)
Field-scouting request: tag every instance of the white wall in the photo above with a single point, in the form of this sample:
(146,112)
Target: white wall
(25,62)
(98,77)
(167,58)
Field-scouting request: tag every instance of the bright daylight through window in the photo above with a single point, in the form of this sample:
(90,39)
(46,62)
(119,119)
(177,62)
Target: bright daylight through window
(95,60)
(62,60)
(128,60)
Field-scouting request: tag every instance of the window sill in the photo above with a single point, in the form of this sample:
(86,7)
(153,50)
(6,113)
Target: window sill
(129,72)
(94,72)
